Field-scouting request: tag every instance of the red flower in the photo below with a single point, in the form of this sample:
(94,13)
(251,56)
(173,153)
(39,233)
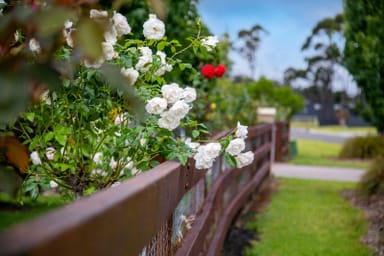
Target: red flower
(220,70)
(208,71)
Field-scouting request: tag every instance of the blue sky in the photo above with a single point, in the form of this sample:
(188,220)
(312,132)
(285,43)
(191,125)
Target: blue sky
(288,22)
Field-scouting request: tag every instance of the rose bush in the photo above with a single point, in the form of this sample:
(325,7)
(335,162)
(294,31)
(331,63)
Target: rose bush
(87,136)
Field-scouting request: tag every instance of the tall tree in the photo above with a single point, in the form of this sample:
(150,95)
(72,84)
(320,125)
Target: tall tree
(250,43)
(321,66)
(364,54)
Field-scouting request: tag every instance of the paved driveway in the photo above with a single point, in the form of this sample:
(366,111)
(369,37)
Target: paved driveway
(316,172)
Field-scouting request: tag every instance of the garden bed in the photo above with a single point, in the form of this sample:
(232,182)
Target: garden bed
(373,207)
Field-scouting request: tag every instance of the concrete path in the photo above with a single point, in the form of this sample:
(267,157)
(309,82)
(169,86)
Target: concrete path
(316,172)
(301,133)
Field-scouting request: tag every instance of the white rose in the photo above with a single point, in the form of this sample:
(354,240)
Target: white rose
(180,109)
(244,159)
(153,28)
(35,158)
(130,74)
(108,50)
(69,37)
(68,24)
(93,63)
(121,24)
(168,121)
(171,92)
(212,150)
(110,35)
(156,105)
(209,42)
(34,46)
(113,163)
(98,158)
(164,66)
(201,162)
(192,145)
(115,184)
(50,153)
(189,94)
(53,184)
(241,131)
(235,147)
(145,59)
(96,14)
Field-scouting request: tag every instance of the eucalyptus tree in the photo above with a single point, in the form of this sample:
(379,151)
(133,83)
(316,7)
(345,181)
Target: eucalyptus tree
(323,43)
(250,40)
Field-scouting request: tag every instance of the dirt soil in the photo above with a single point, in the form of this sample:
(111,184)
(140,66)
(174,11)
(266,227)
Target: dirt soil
(373,207)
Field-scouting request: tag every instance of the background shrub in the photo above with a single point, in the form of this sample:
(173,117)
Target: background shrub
(373,180)
(363,148)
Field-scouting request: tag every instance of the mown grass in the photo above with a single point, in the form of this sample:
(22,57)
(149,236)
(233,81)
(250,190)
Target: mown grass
(319,153)
(309,218)
(341,129)
(12,212)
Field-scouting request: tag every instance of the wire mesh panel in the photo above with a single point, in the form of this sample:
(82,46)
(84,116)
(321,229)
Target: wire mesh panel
(161,243)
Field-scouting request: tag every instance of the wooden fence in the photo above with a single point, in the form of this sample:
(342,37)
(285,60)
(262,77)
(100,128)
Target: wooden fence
(170,210)
(281,141)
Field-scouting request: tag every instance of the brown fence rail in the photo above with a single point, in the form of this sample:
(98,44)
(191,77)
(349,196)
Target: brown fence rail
(170,210)
(281,141)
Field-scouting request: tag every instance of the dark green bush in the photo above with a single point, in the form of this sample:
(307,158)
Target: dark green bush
(363,148)
(373,180)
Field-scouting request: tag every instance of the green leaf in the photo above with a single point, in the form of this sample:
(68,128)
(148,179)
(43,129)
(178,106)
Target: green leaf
(230,160)
(61,139)
(195,133)
(161,46)
(30,116)
(182,158)
(181,66)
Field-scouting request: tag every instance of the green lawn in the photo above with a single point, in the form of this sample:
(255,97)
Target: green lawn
(312,152)
(309,218)
(12,212)
(340,129)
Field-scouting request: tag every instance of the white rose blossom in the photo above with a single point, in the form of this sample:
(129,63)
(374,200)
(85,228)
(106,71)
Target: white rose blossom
(192,145)
(108,50)
(168,121)
(130,74)
(98,158)
(164,66)
(241,131)
(156,105)
(35,158)
(206,154)
(172,92)
(235,147)
(110,35)
(53,184)
(244,159)
(96,14)
(189,94)
(153,28)
(180,109)
(50,153)
(34,46)
(69,37)
(145,60)
(209,42)
(121,24)
(113,163)
(94,63)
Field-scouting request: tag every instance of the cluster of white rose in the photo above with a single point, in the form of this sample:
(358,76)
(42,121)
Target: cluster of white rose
(206,154)
(171,115)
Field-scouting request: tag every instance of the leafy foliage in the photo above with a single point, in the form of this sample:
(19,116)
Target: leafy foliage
(363,148)
(364,54)
(373,180)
